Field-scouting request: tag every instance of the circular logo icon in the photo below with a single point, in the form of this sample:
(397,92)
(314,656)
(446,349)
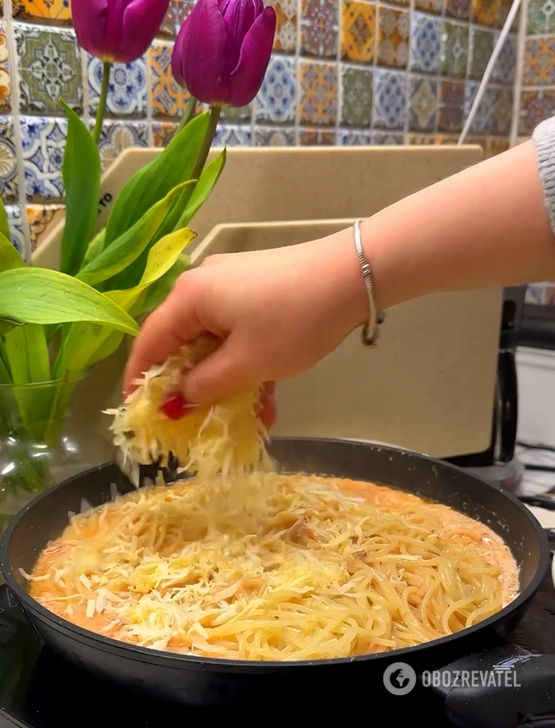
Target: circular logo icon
(399,679)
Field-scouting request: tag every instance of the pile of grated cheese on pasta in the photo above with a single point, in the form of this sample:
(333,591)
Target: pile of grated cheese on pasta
(226,438)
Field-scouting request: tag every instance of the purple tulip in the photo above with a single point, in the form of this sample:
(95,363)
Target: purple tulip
(117,30)
(223,49)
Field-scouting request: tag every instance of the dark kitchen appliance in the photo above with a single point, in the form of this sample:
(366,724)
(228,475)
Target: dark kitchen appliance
(201,682)
(498,464)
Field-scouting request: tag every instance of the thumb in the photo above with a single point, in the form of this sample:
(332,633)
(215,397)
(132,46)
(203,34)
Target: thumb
(221,374)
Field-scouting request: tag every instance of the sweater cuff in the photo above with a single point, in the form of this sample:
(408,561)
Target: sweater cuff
(544,140)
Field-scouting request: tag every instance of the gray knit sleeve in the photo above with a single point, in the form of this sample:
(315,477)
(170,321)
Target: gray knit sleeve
(544,139)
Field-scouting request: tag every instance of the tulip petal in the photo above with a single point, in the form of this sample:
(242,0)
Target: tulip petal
(239,17)
(247,78)
(89,21)
(202,40)
(140,22)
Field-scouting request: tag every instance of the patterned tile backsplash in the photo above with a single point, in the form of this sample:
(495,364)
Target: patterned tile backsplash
(343,72)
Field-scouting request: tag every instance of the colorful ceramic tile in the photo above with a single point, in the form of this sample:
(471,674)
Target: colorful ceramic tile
(481,48)
(5,81)
(233,136)
(43,143)
(49,64)
(503,111)
(425,47)
(272,137)
(127,94)
(317,138)
(177,12)
(485,12)
(383,139)
(358,31)
(420,140)
(356,96)
(352,138)
(166,97)
(117,136)
(39,220)
(505,67)
(483,122)
(318,93)
(423,103)
(459,9)
(9,186)
(162,133)
(393,41)
(535,106)
(539,62)
(451,105)
(454,54)
(541,17)
(236,114)
(319,31)
(390,99)
(42,11)
(15,223)
(285,38)
(276,102)
(430,6)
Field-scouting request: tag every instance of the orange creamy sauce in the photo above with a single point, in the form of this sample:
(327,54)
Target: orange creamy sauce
(454,527)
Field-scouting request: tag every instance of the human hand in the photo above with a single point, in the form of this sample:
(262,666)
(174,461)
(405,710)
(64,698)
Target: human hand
(278,312)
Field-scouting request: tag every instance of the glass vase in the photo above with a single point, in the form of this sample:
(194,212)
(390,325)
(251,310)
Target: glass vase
(42,441)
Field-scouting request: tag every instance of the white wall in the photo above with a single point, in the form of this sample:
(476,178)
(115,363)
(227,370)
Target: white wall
(536,382)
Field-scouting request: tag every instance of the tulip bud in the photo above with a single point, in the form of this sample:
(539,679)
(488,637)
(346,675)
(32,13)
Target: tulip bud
(117,30)
(223,49)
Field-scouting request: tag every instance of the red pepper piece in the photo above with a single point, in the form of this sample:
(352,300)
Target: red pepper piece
(175,407)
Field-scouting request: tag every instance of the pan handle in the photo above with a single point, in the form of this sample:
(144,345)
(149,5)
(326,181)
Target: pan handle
(505,687)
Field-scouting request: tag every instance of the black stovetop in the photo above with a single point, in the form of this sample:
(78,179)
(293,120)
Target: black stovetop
(39,690)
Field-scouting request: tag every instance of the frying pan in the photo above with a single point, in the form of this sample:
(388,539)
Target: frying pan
(442,665)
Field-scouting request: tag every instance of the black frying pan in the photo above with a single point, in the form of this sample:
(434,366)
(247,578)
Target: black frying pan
(200,681)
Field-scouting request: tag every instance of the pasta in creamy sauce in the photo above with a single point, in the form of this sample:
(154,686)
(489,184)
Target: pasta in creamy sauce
(286,567)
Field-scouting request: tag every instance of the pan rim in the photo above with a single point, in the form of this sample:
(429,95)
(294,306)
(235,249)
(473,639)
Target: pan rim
(170,659)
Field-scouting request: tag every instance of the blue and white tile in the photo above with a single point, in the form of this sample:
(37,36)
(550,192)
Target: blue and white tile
(117,136)
(274,137)
(350,138)
(9,185)
(505,67)
(483,122)
(390,99)
(233,136)
(425,46)
(127,95)
(384,139)
(15,223)
(43,143)
(276,102)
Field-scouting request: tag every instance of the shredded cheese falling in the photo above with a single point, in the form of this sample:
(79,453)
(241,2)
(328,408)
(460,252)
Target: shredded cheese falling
(226,438)
(302,568)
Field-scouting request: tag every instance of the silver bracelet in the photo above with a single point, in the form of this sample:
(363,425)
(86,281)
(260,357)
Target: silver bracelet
(370,331)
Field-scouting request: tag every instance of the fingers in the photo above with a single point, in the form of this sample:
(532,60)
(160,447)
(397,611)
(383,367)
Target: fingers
(268,409)
(169,327)
(223,373)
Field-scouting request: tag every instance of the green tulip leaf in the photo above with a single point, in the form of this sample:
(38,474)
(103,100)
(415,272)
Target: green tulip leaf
(42,296)
(81,175)
(94,249)
(37,350)
(15,347)
(157,293)
(85,343)
(4,226)
(208,180)
(154,181)
(9,257)
(124,251)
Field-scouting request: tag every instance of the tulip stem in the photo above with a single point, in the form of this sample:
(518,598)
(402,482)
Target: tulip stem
(213,119)
(189,113)
(102,100)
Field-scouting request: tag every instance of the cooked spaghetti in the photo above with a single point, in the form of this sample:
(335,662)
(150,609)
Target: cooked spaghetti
(226,437)
(304,568)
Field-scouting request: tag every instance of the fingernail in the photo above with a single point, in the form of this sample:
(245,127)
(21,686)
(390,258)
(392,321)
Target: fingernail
(176,407)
